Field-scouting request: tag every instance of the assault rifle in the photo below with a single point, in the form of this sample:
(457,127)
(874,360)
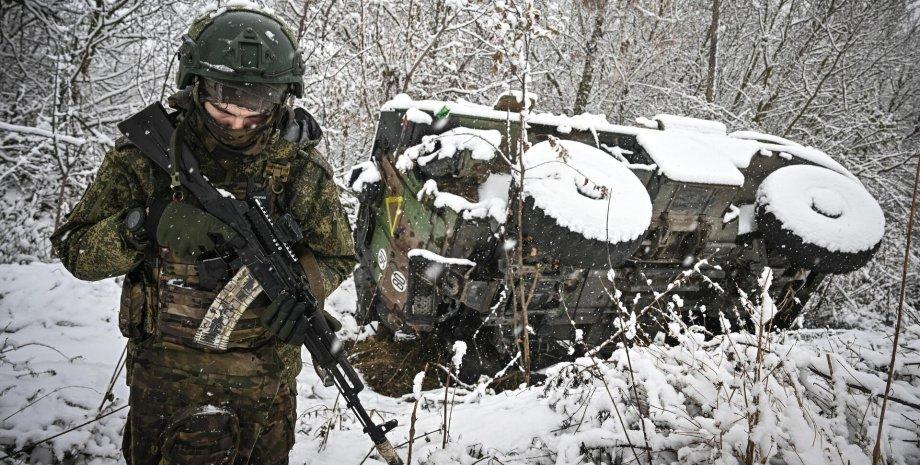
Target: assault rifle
(262,253)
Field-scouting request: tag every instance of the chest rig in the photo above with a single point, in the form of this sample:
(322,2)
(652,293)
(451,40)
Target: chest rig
(185,289)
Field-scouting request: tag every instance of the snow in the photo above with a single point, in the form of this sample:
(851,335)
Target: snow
(459,350)
(482,144)
(495,186)
(823,207)
(212,410)
(60,344)
(732,214)
(745,216)
(532,98)
(455,4)
(586,191)
(813,155)
(647,123)
(431,256)
(214,9)
(494,207)
(585,123)
(688,149)
(703,158)
(620,154)
(698,156)
(417,382)
(759,136)
(78,141)
(219,67)
(683,123)
(369,174)
(418,116)
(746,220)
(698,394)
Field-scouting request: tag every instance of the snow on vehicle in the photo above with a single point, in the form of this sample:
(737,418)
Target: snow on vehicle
(638,205)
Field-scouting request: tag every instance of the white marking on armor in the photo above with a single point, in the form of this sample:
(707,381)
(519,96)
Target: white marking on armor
(382,258)
(399,281)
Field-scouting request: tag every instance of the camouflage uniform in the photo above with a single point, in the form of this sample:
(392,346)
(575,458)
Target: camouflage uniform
(189,404)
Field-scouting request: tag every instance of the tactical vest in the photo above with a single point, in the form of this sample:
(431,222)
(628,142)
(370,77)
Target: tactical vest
(182,303)
(162,298)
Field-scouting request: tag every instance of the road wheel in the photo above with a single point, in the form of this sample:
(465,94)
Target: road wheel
(818,219)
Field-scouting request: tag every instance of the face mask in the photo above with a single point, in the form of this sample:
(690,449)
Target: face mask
(235,138)
(264,99)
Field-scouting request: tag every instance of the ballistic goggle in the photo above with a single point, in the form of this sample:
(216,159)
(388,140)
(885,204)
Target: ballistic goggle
(261,98)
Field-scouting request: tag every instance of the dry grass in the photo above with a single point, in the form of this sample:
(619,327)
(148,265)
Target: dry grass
(389,366)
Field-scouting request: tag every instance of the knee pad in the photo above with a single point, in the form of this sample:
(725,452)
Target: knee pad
(201,435)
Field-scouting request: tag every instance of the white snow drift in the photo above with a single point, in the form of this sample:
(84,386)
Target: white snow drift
(815,401)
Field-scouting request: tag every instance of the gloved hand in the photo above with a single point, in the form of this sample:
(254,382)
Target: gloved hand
(186,230)
(287,319)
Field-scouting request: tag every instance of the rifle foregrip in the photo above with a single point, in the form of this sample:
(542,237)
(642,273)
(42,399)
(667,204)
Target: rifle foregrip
(352,375)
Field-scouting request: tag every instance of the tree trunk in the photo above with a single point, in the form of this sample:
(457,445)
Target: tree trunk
(713,49)
(587,72)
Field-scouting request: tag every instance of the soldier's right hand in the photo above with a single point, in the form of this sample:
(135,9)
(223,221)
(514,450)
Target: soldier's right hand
(187,231)
(286,318)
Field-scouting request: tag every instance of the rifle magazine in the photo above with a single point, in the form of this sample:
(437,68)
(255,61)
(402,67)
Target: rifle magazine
(226,310)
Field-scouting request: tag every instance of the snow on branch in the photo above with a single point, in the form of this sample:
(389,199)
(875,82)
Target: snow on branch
(33,131)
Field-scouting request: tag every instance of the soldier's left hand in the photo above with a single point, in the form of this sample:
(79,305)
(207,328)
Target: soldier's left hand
(188,231)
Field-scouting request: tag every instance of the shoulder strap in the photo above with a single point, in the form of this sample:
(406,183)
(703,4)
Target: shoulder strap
(123,143)
(311,268)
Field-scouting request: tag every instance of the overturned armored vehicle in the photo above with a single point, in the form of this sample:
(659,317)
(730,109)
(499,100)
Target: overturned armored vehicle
(616,223)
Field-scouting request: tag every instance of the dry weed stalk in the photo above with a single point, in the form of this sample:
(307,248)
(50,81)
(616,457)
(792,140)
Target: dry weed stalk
(877,451)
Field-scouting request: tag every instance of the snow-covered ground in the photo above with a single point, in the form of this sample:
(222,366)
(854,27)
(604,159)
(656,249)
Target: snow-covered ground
(806,397)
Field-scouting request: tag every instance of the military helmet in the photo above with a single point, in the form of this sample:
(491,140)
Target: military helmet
(241,44)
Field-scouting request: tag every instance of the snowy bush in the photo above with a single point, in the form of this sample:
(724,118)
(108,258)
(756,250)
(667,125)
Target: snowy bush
(808,396)
(733,399)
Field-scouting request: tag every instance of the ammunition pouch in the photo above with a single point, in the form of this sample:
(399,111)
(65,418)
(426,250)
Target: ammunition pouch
(133,314)
(186,291)
(183,304)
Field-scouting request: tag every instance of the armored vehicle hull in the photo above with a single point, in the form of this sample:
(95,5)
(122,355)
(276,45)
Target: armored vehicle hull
(711,212)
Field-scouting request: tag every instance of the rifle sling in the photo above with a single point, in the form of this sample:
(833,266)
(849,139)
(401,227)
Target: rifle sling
(314,276)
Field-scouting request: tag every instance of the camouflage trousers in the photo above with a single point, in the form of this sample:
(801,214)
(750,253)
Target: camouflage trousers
(195,408)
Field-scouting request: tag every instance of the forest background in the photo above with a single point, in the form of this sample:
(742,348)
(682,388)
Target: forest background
(839,75)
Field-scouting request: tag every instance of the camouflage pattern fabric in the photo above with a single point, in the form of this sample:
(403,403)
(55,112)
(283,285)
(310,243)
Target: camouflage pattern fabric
(180,392)
(235,412)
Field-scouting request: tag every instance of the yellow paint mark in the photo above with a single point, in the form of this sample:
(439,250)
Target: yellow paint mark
(394,211)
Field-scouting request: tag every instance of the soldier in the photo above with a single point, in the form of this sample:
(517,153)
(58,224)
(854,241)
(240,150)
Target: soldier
(238,70)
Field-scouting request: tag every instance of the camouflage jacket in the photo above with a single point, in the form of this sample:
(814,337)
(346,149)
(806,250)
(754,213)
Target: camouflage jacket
(94,244)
